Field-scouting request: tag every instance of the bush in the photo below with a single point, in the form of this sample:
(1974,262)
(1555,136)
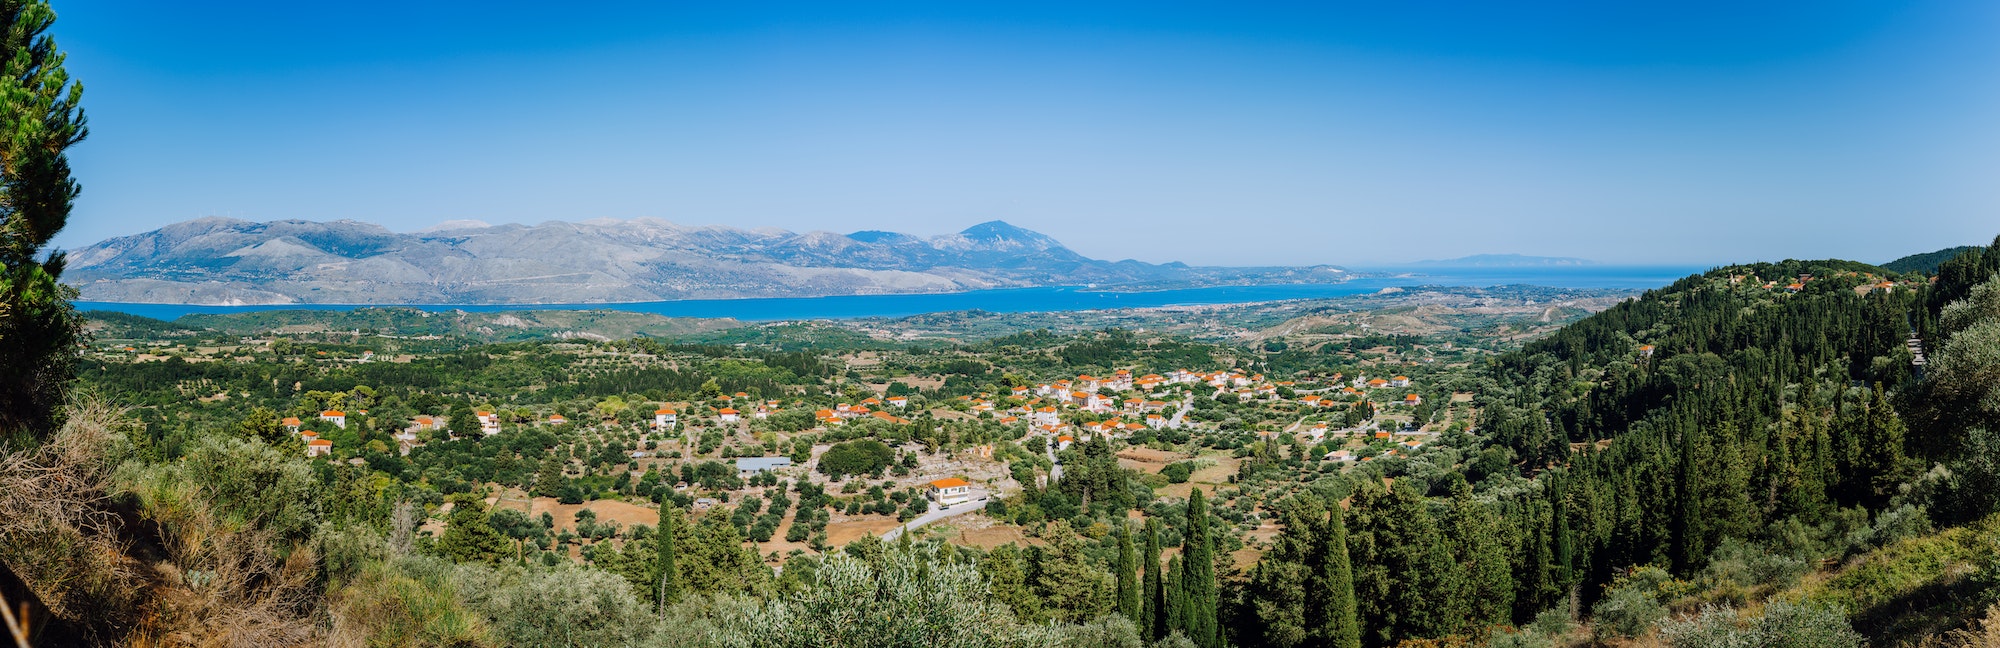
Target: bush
(1628,611)
(1752,566)
(856,458)
(564,607)
(1177,472)
(1784,625)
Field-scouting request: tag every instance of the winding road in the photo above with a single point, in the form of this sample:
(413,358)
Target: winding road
(977,502)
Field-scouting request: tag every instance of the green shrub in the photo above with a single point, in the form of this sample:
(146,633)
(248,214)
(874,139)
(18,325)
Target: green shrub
(1628,611)
(855,458)
(1784,625)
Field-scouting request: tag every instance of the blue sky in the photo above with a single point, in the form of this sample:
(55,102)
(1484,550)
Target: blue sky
(1346,133)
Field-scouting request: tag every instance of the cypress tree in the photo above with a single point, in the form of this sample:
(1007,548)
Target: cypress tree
(1198,590)
(667,565)
(1565,540)
(1153,621)
(1176,607)
(1686,532)
(1333,614)
(39,328)
(1128,577)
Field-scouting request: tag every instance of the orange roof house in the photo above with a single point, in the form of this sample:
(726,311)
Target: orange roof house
(949,491)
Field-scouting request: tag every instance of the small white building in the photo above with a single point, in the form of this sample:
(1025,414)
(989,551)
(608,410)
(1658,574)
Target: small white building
(319,448)
(728,415)
(336,417)
(664,418)
(949,491)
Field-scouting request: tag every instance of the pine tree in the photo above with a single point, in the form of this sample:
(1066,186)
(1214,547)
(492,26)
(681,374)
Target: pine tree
(1153,621)
(1007,574)
(39,328)
(666,568)
(1128,576)
(1882,455)
(1072,587)
(1332,614)
(1197,582)
(469,535)
(549,481)
(1485,582)
(1284,587)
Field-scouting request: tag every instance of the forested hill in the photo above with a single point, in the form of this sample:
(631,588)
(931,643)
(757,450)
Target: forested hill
(1929,261)
(1755,410)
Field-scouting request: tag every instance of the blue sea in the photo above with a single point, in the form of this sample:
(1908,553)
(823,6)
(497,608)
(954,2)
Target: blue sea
(1020,300)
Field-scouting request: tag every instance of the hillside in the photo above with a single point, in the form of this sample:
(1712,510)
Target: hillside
(225,261)
(1928,262)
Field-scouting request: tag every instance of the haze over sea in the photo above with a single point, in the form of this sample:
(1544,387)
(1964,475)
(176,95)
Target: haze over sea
(1019,300)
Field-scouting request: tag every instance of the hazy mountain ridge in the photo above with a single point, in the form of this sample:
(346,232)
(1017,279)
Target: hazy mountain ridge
(227,261)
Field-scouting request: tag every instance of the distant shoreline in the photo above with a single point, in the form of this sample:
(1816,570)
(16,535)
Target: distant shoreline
(1004,300)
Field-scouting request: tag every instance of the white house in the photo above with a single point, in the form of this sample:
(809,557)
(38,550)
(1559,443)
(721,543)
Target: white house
(337,417)
(489,423)
(664,418)
(949,491)
(319,448)
(727,415)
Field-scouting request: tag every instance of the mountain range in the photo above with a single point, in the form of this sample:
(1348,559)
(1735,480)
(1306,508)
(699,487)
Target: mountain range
(226,261)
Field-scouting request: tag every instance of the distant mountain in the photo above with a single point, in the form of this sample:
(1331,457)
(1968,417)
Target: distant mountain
(227,261)
(1928,262)
(1505,261)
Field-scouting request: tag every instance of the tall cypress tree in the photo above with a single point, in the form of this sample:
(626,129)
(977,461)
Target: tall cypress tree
(1153,621)
(1565,540)
(1687,549)
(1128,576)
(1333,614)
(1176,607)
(39,328)
(1198,589)
(667,564)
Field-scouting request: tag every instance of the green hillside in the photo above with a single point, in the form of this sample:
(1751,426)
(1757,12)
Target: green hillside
(1928,262)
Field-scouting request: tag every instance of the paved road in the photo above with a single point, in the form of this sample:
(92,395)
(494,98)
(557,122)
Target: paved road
(1187,403)
(977,503)
(1055,465)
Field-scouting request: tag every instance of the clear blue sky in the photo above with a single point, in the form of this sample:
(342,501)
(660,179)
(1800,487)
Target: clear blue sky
(1348,133)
